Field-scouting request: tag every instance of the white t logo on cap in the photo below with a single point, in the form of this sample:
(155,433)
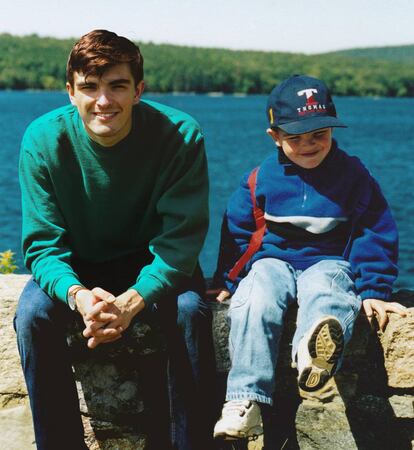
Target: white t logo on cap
(307,92)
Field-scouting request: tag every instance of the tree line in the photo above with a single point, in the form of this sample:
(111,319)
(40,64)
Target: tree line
(33,62)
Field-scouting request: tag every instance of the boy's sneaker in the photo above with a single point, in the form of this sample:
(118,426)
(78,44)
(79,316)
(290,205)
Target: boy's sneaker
(239,419)
(318,354)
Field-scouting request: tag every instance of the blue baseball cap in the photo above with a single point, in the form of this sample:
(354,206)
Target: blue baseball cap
(301,104)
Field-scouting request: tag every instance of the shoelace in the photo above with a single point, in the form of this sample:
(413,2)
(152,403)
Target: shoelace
(240,406)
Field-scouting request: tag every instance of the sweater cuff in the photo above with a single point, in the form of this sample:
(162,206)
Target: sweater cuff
(150,289)
(378,295)
(62,286)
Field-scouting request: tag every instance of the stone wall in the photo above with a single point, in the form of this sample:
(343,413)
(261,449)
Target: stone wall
(16,431)
(368,405)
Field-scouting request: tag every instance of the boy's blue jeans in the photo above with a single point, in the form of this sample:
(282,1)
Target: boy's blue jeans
(257,312)
(40,324)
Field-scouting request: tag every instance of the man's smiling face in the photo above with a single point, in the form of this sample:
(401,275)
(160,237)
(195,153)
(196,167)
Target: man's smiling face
(105,103)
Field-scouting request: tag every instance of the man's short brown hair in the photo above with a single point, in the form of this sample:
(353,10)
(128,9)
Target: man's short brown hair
(100,50)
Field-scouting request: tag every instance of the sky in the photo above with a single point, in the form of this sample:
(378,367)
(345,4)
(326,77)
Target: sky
(299,26)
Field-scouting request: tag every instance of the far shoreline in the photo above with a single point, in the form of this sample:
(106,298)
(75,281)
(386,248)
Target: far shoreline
(212,94)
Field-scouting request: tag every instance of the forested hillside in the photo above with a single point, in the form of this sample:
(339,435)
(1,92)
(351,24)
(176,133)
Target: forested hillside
(400,54)
(31,62)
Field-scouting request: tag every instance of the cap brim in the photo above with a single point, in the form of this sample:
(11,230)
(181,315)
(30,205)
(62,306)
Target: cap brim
(311,124)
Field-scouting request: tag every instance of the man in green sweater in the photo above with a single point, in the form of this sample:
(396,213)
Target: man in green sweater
(115,212)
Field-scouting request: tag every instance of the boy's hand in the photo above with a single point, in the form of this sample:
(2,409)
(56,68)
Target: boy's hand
(380,308)
(219,294)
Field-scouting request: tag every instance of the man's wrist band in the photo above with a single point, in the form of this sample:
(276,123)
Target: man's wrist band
(71,297)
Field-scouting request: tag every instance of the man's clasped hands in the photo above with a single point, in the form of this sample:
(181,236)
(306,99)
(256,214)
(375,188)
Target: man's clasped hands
(105,316)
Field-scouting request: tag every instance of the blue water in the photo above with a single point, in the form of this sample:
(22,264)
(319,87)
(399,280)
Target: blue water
(381,133)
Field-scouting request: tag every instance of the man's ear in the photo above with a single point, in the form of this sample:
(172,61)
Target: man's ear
(71,93)
(274,134)
(139,90)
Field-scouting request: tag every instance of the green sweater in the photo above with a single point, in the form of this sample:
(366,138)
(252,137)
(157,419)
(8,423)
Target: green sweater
(100,203)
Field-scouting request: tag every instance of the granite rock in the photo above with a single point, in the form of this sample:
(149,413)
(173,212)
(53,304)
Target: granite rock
(398,345)
(367,405)
(12,386)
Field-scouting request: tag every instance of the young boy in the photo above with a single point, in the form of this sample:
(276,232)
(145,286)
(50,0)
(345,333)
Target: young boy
(313,227)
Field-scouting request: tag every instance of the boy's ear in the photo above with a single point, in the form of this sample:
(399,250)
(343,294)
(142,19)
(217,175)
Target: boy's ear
(274,134)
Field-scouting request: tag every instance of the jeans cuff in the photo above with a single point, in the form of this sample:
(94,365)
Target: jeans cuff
(250,396)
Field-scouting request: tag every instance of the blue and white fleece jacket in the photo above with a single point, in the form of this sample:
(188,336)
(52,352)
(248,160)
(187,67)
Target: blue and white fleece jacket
(334,211)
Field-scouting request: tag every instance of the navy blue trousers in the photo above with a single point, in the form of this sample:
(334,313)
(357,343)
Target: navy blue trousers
(184,318)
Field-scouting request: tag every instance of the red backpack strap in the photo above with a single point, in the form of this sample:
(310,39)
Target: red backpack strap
(257,237)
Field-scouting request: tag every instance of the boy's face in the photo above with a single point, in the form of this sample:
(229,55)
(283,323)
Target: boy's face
(306,150)
(105,103)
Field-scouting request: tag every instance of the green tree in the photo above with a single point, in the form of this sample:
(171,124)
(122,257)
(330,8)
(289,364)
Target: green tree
(32,62)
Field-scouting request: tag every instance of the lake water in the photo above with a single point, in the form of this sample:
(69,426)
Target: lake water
(381,133)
